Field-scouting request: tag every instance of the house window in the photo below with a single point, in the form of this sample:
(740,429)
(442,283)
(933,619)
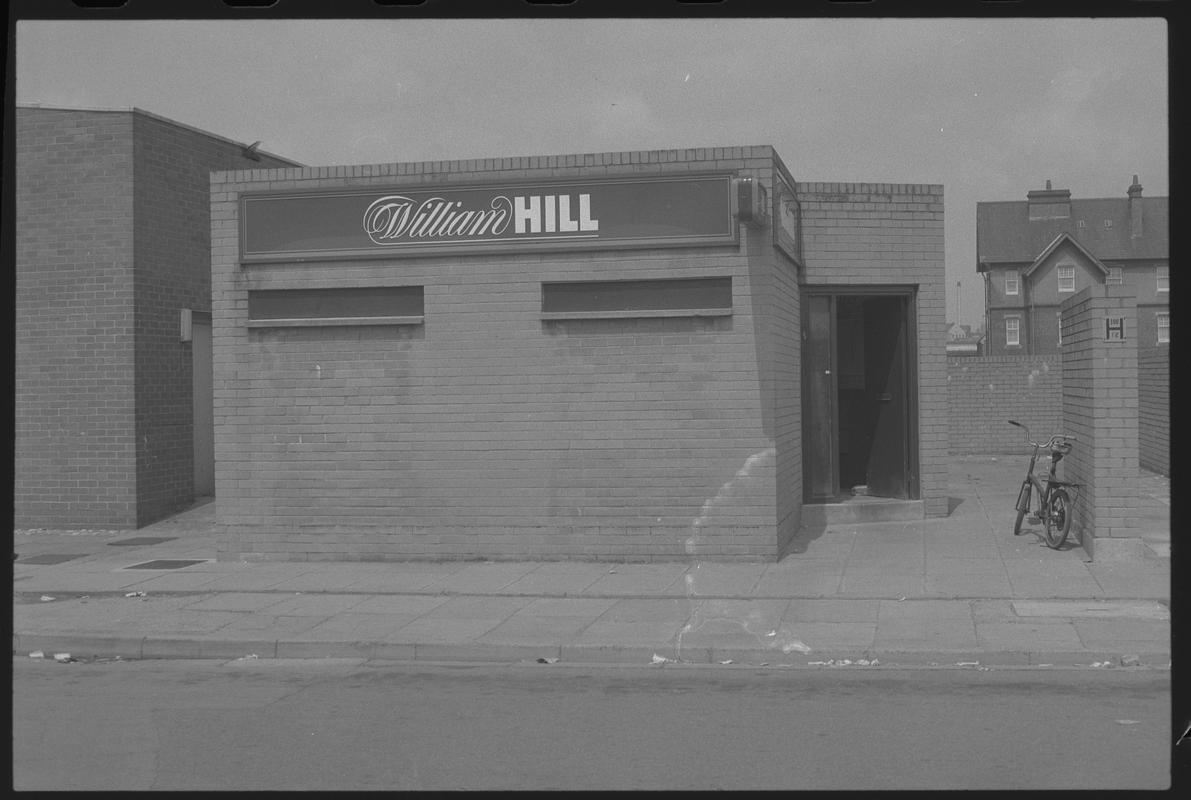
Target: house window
(1066,279)
(1114,277)
(1164,279)
(1108,223)
(1081,224)
(1011,282)
(1163,326)
(1012,332)
(1059,317)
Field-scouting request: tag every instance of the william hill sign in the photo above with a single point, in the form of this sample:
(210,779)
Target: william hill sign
(666,211)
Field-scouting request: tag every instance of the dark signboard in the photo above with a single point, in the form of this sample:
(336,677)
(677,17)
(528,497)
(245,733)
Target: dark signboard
(647,212)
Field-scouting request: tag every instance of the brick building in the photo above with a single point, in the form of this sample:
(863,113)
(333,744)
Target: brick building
(1036,253)
(112,256)
(633,355)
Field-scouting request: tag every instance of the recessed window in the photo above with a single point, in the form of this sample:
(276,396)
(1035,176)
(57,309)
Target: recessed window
(1012,332)
(1012,284)
(1066,279)
(1108,223)
(638,298)
(1164,279)
(1081,224)
(1059,319)
(1114,277)
(341,305)
(1163,326)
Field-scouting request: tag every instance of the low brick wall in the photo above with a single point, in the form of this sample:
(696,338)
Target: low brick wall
(983,392)
(1153,405)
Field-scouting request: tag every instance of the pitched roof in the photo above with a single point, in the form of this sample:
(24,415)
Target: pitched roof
(1053,246)
(1005,232)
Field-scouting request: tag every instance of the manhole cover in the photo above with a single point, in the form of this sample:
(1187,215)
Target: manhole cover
(139,540)
(167,563)
(47,558)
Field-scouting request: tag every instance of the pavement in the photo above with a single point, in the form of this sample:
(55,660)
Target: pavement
(959,591)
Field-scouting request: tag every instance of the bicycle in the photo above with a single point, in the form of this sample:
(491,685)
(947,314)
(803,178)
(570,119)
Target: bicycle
(1054,501)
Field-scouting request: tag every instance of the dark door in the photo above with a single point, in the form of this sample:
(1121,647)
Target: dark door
(819,421)
(885,381)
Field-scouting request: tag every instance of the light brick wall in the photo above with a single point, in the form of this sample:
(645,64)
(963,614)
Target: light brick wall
(1100,407)
(1153,386)
(985,391)
(891,235)
(74,462)
(489,432)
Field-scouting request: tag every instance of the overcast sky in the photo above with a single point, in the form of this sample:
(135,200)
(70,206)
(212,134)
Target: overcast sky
(988,108)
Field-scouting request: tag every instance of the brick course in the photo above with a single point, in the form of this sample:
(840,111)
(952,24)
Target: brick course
(1153,402)
(985,391)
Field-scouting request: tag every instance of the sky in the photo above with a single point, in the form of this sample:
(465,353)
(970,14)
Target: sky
(989,108)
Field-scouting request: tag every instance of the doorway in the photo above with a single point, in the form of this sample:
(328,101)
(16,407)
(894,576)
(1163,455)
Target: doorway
(202,405)
(859,385)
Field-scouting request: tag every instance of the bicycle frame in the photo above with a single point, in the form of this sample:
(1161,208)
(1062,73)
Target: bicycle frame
(1054,499)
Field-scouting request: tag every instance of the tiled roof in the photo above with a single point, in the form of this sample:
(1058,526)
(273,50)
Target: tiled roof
(1005,233)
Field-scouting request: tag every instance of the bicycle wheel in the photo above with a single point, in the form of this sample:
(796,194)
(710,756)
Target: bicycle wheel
(1023,508)
(1058,518)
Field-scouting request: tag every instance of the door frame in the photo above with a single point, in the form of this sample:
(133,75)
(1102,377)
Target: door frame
(910,293)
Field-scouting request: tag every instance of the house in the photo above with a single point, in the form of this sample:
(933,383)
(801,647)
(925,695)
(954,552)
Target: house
(1034,254)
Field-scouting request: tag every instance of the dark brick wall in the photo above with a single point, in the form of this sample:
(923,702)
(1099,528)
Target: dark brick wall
(74,409)
(113,240)
(173,165)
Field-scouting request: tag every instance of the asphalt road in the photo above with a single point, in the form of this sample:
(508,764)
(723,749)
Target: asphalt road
(301,725)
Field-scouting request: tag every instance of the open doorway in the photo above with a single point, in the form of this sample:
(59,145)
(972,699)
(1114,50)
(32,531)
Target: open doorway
(859,433)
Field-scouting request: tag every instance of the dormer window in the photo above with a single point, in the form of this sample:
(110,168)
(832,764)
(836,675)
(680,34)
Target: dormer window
(1066,278)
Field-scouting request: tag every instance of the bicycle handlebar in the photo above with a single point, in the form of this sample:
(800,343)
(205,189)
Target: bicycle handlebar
(1051,442)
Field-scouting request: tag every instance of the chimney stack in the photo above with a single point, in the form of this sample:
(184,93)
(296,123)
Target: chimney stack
(1135,220)
(1049,203)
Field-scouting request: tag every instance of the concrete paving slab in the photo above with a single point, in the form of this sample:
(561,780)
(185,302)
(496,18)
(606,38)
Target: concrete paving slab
(830,636)
(835,610)
(488,608)
(808,578)
(735,580)
(354,626)
(926,635)
(444,630)
(1059,635)
(536,630)
(671,610)
(923,610)
(399,604)
(640,579)
(830,544)
(1047,586)
(967,586)
(1091,609)
(1105,633)
(317,604)
(877,584)
(484,576)
(645,633)
(938,565)
(269,626)
(236,601)
(580,607)
(558,578)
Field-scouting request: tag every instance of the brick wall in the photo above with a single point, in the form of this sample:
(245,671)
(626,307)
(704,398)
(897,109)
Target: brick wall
(487,431)
(173,165)
(889,235)
(1153,386)
(985,391)
(112,242)
(1100,408)
(74,459)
